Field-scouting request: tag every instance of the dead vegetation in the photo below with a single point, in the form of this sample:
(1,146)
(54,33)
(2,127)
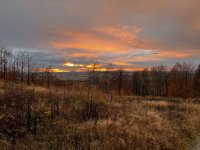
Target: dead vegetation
(33,117)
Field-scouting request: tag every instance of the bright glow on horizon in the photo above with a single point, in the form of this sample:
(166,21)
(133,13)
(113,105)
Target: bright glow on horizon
(69,64)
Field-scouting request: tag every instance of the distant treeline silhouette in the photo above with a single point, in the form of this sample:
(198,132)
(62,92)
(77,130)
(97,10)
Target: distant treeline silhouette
(182,80)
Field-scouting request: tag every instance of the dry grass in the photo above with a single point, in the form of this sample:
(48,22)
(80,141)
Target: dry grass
(93,120)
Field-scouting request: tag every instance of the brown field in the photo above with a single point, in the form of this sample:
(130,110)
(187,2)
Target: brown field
(33,117)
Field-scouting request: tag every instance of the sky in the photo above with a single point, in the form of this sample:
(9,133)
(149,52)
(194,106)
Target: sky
(70,35)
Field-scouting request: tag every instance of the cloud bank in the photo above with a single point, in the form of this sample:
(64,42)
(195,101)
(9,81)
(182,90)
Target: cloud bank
(128,33)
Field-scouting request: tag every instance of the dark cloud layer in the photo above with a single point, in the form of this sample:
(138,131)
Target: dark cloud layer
(134,32)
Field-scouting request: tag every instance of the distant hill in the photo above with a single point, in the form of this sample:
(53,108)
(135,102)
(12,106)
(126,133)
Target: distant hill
(80,76)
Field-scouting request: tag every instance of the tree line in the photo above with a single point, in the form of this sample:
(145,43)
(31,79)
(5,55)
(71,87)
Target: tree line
(182,80)
(19,66)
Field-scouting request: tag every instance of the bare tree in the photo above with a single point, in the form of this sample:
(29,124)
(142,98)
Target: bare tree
(181,80)
(145,82)
(29,66)
(119,80)
(48,75)
(136,80)
(94,73)
(107,78)
(22,62)
(158,81)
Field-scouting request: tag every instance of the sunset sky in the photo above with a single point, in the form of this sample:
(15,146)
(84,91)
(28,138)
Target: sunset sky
(72,34)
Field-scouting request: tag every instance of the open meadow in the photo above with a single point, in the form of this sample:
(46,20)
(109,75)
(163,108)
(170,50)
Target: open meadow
(34,117)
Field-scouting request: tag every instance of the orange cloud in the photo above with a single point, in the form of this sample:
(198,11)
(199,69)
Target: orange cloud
(81,54)
(159,55)
(90,44)
(124,33)
(196,24)
(176,54)
(121,63)
(128,35)
(101,39)
(87,41)
(115,40)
